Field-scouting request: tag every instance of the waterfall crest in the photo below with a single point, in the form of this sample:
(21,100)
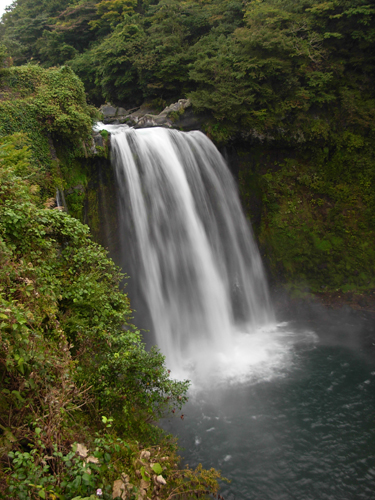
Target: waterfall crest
(198,266)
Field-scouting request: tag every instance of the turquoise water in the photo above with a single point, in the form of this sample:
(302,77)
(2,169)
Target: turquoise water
(305,431)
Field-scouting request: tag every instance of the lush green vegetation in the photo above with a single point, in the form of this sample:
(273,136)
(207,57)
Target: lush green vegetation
(293,81)
(272,65)
(317,231)
(289,81)
(50,106)
(79,394)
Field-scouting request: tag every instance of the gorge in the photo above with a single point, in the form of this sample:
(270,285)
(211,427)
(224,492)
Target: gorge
(284,409)
(131,287)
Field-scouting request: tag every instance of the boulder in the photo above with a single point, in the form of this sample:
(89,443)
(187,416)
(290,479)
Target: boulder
(165,118)
(108,110)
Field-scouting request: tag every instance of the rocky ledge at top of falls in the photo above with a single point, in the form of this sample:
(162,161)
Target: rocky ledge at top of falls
(178,114)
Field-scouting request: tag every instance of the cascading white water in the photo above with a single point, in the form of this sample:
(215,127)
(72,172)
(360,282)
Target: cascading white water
(199,269)
(60,199)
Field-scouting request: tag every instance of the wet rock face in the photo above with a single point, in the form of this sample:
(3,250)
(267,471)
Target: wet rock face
(98,139)
(108,111)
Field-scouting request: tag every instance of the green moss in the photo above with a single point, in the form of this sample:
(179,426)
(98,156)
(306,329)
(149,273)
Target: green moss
(219,132)
(176,115)
(104,134)
(317,224)
(93,214)
(102,151)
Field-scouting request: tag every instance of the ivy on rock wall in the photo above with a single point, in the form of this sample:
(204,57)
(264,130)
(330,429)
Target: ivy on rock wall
(49,105)
(319,232)
(313,212)
(44,102)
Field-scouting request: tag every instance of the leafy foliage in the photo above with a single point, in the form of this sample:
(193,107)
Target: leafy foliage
(320,230)
(271,65)
(295,77)
(54,98)
(68,353)
(45,104)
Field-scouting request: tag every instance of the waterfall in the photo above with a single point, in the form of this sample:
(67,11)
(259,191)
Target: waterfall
(60,200)
(196,261)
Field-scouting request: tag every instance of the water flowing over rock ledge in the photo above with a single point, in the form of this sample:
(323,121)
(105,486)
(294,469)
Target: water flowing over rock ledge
(179,115)
(182,232)
(270,184)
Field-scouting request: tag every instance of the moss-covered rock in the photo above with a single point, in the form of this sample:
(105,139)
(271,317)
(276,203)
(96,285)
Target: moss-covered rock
(313,212)
(49,106)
